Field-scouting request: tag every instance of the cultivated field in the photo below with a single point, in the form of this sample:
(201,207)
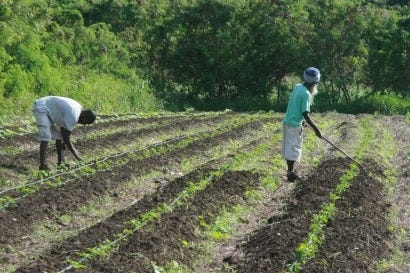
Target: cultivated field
(206,192)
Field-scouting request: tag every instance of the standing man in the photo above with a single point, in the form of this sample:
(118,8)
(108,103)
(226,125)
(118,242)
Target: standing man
(297,113)
(56,117)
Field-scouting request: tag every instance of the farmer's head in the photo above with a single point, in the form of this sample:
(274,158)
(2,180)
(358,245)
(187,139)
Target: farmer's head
(87,117)
(311,76)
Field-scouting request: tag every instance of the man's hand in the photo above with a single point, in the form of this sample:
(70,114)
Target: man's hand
(67,142)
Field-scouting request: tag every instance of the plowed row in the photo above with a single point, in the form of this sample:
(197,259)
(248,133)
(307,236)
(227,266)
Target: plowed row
(151,189)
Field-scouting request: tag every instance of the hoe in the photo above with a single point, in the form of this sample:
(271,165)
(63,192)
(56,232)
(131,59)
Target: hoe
(347,155)
(343,152)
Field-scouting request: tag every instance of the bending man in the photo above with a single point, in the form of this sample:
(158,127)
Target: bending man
(56,118)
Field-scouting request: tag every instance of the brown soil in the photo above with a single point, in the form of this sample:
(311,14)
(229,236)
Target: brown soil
(272,247)
(57,201)
(27,159)
(357,238)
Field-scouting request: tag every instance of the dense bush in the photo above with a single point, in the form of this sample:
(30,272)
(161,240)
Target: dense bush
(388,104)
(205,54)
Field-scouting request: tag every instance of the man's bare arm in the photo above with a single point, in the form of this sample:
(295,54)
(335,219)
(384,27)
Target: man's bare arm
(310,122)
(66,138)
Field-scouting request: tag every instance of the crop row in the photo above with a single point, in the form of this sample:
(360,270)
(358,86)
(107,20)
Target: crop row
(176,193)
(135,255)
(293,239)
(107,163)
(135,167)
(184,191)
(21,163)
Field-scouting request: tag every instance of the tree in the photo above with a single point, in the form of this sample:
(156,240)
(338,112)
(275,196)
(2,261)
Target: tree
(389,60)
(224,50)
(337,46)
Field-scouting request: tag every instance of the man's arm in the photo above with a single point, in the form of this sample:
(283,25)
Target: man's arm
(66,138)
(310,122)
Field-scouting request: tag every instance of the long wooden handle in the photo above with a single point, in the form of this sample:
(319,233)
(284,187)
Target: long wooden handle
(346,154)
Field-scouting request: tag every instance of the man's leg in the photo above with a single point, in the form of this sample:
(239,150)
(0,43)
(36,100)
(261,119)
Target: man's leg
(60,147)
(43,126)
(291,165)
(291,150)
(43,155)
(292,176)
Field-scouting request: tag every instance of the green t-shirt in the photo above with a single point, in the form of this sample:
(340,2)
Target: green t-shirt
(299,102)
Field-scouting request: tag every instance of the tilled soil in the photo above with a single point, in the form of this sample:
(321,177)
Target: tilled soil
(356,239)
(58,201)
(272,247)
(226,186)
(27,158)
(400,199)
(171,231)
(358,235)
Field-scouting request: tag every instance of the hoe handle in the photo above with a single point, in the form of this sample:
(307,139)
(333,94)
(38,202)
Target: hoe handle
(340,150)
(343,152)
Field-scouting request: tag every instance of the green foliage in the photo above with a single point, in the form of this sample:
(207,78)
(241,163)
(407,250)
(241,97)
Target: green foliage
(76,264)
(336,45)
(407,117)
(207,55)
(53,53)
(222,50)
(389,61)
(5,12)
(16,82)
(388,104)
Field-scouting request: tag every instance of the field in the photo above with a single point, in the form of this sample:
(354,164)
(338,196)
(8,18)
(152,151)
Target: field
(206,192)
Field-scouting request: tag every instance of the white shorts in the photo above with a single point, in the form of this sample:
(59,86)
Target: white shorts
(46,130)
(292,143)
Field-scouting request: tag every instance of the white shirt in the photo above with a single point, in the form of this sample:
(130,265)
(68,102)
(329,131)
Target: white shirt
(63,112)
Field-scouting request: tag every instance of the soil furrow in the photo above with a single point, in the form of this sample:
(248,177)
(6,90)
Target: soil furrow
(57,201)
(68,175)
(56,258)
(369,231)
(399,127)
(166,243)
(272,247)
(26,160)
(354,239)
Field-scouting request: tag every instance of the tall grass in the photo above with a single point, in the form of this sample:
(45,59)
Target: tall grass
(107,94)
(386,104)
(103,93)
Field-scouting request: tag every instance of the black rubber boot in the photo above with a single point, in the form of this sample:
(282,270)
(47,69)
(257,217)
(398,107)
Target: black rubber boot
(292,176)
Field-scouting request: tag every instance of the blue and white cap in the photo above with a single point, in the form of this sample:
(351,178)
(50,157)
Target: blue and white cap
(311,75)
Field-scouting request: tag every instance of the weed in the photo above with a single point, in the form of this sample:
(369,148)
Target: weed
(171,267)
(75,264)
(254,195)
(65,219)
